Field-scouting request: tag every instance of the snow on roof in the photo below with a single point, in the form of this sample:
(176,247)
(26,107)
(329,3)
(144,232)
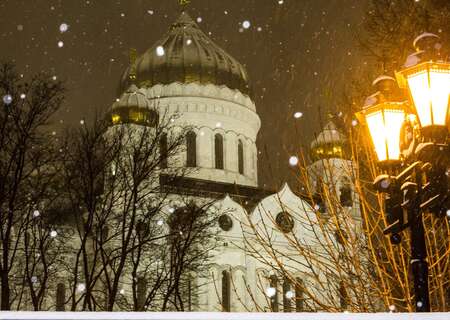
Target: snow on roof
(382,78)
(413,59)
(424,35)
(371,100)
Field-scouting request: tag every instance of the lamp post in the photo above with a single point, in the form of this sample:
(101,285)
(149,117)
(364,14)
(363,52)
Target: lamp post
(410,138)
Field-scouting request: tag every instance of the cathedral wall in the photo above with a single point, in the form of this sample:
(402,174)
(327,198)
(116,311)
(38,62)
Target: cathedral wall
(336,173)
(232,116)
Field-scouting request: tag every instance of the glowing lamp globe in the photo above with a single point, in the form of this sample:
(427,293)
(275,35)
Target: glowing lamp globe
(384,122)
(429,86)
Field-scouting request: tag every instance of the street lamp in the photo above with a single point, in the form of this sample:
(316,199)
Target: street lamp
(384,120)
(416,181)
(428,85)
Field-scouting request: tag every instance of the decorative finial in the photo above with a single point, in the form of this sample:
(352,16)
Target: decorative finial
(184,3)
(133,57)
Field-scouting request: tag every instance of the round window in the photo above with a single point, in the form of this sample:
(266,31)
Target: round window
(225,222)
(285,222)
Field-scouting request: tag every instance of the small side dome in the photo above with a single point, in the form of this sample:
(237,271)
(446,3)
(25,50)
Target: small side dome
(133,107)
(330,143)
(133,97)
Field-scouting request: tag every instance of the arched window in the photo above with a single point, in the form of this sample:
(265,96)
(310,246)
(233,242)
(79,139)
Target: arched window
(191,149)
(287,295)
(226,299)
(104,234)
(318,198)
(218,150)
(163,151)
(189,293)
(299,295)
(141,290)
(241,157)
(343,296)
(142,230)
(274,298)
(60,297)
(345,197)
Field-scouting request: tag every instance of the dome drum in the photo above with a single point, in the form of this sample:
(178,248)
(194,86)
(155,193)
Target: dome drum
(136,115)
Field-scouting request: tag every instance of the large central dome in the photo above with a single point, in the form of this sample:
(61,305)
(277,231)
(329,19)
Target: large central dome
(186,54)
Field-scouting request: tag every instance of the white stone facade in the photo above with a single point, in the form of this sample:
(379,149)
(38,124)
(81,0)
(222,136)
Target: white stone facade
(208,109)
(211,110)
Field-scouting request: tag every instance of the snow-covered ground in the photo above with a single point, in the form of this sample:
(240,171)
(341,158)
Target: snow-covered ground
(219,316)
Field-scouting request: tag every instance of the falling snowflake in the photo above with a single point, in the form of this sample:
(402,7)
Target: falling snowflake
(34,279)
(60,44)
(188,41)
(218,125)
(246,24)
(160,51)
(199,19)
(20,27)
(150,12)
(122,291)
(270,292)
(53,234)
(82,122)
(354,123)
(290,294)
(63,27)
(81,287)
(293,161)
(23,96)
(298,115)
(448,214)
(36,213)
(160,222)
(7,99)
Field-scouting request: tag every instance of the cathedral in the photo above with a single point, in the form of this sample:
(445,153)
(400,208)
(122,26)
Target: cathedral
(186,73)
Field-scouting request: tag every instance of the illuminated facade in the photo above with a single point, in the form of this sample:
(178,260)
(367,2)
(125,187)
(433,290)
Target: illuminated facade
(188,75)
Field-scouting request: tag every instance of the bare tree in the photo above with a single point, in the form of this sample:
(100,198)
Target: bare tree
(192,240)
(26,109)
(337,257)
(390,28)
(116,198)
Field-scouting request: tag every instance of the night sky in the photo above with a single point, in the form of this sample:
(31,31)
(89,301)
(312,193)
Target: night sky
(298,54)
